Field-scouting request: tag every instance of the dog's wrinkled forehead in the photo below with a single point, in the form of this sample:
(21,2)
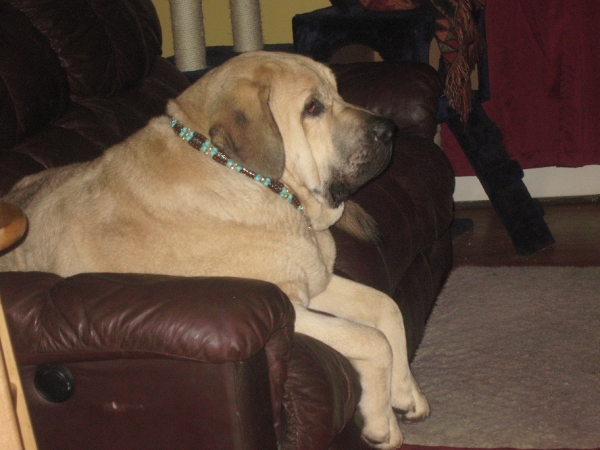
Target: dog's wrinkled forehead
(309,76)
(281,71)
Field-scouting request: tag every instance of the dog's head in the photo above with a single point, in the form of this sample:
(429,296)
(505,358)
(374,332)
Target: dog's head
(280,115)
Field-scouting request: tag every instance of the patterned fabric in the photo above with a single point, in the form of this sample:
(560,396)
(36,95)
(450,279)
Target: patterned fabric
(458,38)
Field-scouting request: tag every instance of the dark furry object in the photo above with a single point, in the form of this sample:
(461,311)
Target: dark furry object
(359,223)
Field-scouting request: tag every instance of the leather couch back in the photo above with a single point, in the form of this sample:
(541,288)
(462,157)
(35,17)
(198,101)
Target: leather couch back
(76,76)
(407,96)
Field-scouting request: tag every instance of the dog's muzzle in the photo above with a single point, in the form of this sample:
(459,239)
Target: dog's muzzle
(367,158)
(382,133)
(382,130)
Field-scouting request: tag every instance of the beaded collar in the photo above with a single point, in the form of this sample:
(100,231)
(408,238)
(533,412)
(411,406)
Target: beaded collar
(199,142)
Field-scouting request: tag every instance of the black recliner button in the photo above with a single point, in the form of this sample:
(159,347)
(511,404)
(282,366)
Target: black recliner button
(54,382)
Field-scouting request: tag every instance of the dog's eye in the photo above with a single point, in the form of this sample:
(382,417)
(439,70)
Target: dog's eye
(313,108)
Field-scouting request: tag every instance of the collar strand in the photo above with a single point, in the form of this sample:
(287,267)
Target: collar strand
(201,143)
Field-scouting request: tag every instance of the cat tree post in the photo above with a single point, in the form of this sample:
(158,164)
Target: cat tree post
(188,31)
(246,25)
(188,34)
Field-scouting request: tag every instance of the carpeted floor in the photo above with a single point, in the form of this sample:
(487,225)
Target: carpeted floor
(511,358)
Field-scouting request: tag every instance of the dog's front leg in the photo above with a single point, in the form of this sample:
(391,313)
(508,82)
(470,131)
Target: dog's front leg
(369,352)
(362,304)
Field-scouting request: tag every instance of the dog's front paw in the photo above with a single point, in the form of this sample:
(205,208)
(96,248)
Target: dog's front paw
(381,432)
(410,405)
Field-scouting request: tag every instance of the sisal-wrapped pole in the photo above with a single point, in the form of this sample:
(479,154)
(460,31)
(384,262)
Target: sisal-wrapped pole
(188,34)
(246,25)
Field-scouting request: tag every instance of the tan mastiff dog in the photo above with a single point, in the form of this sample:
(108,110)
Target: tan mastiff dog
(243,177)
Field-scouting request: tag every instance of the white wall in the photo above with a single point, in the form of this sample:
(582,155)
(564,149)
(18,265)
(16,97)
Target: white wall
(543,182)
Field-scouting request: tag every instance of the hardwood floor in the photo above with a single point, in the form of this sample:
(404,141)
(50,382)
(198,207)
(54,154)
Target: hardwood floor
(575,225)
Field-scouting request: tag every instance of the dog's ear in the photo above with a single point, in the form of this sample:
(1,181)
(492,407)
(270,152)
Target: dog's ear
(243,127)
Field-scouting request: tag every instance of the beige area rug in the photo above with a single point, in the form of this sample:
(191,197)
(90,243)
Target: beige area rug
(511,358)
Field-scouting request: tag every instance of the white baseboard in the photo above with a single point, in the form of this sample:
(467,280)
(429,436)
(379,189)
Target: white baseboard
(542,183)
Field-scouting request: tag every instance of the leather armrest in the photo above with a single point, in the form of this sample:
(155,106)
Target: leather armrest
(321,394)
(87,316)
(92,317)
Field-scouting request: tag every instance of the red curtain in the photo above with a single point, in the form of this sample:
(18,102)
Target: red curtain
(544,62)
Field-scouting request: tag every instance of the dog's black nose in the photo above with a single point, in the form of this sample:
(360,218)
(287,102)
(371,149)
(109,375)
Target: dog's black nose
(382,129)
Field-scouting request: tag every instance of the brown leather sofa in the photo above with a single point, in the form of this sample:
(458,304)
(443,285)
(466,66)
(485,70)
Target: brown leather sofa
(129,361)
